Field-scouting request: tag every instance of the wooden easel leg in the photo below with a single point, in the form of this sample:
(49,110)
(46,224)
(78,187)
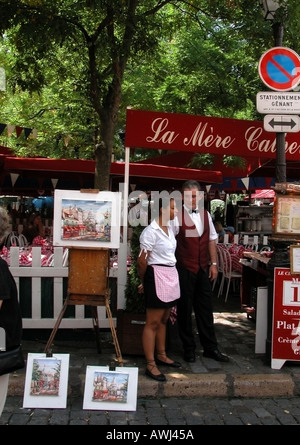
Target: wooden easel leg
(56,326)
(113,333)
(96,327)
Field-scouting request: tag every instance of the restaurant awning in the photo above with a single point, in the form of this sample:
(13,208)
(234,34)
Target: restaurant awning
(268,169)
(235,179)
(36,176)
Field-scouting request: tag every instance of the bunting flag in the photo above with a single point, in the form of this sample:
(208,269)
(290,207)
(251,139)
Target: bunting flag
(13,177)
(208,187)
(18,130)
(245,181)
(34,133)
(67,140)
(268,182)
(2,79)
(27,132)
(2,128)
(54,182)
(11,128)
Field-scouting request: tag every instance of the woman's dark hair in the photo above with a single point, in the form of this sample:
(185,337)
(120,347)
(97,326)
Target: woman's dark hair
(163,203)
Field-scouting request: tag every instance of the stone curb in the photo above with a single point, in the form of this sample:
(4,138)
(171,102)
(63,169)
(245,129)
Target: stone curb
(195,385)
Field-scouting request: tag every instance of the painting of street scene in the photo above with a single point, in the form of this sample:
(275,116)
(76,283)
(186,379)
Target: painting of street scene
(46,381)
(86,220)
(113,390)
(45,377)
(110,387)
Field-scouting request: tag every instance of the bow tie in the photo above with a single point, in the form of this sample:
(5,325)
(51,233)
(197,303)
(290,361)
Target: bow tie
(193,211)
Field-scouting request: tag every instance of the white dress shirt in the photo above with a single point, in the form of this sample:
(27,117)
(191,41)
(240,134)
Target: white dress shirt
(198,223)
(161,246)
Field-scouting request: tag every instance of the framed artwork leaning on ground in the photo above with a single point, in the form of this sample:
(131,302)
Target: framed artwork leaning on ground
(110,390)
(46,381)
(86,219)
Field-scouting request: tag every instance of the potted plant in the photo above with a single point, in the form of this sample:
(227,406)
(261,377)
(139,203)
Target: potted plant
(131,320)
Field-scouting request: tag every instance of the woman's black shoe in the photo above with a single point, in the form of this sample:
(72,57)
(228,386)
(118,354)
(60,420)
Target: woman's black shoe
(159,377)
(173,364)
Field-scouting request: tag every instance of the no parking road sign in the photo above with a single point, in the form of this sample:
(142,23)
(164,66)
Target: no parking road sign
(279,68)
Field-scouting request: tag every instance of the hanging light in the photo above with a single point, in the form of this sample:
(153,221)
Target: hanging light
(269,7)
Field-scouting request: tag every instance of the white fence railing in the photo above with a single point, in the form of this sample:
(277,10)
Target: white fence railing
(42,290)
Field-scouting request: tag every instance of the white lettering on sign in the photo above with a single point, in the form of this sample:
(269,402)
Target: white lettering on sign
(290,312)
(254,144)
(291,295)
(287,340)
(199,138)
(296,342)
(160,135)
(282,324)
(205,136)
(252,136)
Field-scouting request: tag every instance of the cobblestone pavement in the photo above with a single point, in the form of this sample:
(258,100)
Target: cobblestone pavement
(174,412)
(245,391)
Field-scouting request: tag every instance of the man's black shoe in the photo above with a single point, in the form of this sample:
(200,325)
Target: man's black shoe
(216,355)
(189,357)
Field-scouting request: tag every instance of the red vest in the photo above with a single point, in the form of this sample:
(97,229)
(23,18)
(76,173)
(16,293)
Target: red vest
(192,251)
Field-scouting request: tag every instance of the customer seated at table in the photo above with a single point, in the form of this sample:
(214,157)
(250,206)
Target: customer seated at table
(220,231)
(230,232)
(34,228)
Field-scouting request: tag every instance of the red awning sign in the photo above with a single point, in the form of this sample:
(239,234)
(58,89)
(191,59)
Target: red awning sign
(204,134)
(279,69)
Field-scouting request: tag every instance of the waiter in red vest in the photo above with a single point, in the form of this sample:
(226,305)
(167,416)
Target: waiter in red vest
(196,255)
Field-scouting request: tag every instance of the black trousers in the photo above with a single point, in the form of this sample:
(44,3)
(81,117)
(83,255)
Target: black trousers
(196,294)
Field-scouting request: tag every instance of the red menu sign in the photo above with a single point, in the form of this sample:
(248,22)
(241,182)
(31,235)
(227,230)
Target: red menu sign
(286,317)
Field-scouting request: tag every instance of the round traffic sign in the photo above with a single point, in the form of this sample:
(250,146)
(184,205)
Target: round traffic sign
(279,68)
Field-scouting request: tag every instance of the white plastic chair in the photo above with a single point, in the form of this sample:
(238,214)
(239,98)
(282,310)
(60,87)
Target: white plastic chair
(22,240)
(50,260)
(253,247)
(228,275)
(219,266)
(11,240)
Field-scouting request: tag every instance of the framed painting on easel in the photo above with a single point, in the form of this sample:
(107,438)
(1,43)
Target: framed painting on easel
(86,220)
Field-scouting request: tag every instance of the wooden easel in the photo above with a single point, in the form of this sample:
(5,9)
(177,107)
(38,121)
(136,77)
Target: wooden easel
(88,284)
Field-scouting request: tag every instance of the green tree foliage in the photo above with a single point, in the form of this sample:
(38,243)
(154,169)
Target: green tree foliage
(135,302)
(73,67)
(87,42)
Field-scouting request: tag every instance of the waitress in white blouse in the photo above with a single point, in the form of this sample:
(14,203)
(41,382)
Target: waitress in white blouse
(160,284)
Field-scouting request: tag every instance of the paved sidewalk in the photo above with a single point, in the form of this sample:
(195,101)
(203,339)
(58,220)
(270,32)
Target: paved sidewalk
(204,392)
(246,374)
(177,413)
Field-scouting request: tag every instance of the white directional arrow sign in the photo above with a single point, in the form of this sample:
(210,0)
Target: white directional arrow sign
(282,124)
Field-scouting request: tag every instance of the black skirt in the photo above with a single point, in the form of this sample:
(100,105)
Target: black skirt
(151,299)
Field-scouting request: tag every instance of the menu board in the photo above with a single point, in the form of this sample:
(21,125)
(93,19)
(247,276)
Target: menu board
(287,215)
(286,318)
